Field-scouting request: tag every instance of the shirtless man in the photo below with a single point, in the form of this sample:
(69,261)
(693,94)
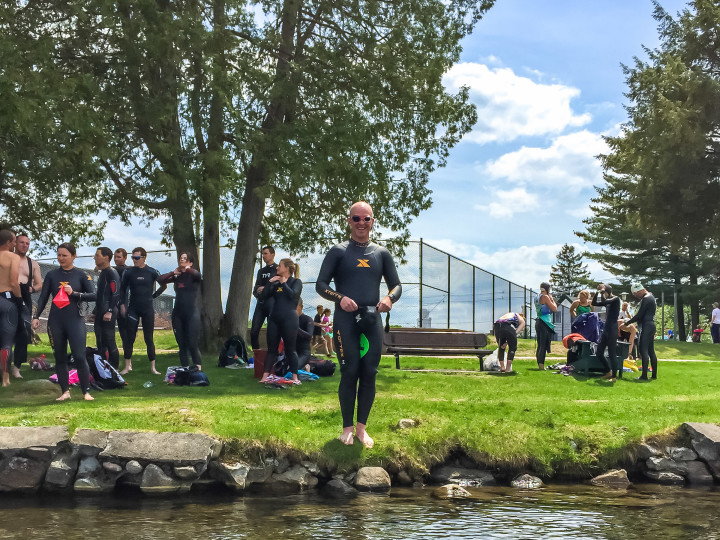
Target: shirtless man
(10,299)
(30,281)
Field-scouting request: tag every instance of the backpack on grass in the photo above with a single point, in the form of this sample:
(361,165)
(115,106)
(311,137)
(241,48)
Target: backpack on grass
(190,376)
(233,352)
(105,376)
(321,368)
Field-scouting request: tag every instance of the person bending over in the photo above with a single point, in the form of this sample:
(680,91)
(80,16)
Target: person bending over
(545,306)
(139,281)
(506,330)
(106,307)
(185,314)
(66,323)
(645,317)
(608,338)
(284,288)
(357,267)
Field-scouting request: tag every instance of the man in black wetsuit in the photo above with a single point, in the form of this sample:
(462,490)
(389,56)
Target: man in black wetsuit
(305,333)
(263,307)
(106,307)
(140,282)
(120,257)
(608,338)
(645,316)
(357,267)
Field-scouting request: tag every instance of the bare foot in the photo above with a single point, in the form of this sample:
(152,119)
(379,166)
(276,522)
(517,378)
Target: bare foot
(608,376)
(366,439)
(154,372)
(127,368)
(66,395)
(88,397)
(199,367)
(347,436)
(16,373)
(6,379)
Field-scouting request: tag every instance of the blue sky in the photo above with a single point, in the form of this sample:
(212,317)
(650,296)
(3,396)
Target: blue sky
(547,81)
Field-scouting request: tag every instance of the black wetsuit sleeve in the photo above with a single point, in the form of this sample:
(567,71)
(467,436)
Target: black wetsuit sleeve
(161,288)
(327,270)
(195,274)
(642,310)
(87,292)
(599,302)
(124,284)
(166,278)
(269,290)
(391,277)
(44,296)
(114,286)
(306,332)
(257,285)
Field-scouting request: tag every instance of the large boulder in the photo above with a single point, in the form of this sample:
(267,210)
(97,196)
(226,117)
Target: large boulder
(176,448)
(698,474)
(451,491)
(89,466)
(448,474)
(61,472)
(668,465)
(616,479)
(339,488)
(646,451)
(372,479)
(705,439)
(296,478)
(156,482)
(664,477)
(90,442)
(232,474)
(21,474)
(681,453)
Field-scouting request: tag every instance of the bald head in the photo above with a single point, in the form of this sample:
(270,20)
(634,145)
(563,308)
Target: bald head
(361,206)
(360,221)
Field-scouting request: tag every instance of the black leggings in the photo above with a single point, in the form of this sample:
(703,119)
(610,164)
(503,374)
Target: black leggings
(285,328)
(259,316)
(608,340)
(8,329)
(544,336)
(646,348)
(505,334)
(148,323)
(186,327)
(63,330)
(105,339)
(357,374)
(22,338)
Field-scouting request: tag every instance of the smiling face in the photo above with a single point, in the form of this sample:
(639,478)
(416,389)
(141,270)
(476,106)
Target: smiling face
(361,221)
(65,258)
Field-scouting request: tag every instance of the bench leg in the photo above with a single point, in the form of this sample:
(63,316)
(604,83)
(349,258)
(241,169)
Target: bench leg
(397,361)
(481,362)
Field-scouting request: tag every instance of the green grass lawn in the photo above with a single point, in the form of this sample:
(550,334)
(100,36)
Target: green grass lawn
(532,419)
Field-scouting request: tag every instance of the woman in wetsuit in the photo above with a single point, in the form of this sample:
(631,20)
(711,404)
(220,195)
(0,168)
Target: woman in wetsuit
(185,315)
(285,289)
(65,323)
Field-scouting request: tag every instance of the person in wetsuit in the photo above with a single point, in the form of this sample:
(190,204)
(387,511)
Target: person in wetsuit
(120,257)
(608,338)
(545,306)
(284,288)
(306,327)
(357,267)
(263,307)
(106,307)
(185,314)
(506,330)
(139,281)
(66,323)
(10,300)
(30,279)
(645,317)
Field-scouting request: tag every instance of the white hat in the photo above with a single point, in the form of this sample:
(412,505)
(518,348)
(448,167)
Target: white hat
(636,287)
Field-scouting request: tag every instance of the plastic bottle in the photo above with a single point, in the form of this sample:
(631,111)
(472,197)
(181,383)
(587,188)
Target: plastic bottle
(147,384)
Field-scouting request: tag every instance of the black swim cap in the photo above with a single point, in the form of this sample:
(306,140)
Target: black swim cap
(545,285)
(608,289)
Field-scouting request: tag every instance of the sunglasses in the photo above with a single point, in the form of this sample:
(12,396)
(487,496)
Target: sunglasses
(137,257)
(358,219)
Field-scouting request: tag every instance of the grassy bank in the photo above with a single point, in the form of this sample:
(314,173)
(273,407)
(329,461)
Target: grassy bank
(541,420)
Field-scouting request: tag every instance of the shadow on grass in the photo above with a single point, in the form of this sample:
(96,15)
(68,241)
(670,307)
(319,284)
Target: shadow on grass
(342,453)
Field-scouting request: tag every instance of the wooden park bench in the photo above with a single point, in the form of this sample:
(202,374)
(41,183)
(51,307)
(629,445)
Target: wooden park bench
(587,361)
(435,343)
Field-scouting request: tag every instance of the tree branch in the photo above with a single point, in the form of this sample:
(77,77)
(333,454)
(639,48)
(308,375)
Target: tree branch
(128,194)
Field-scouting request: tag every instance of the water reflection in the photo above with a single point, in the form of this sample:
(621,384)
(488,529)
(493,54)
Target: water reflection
(570,512)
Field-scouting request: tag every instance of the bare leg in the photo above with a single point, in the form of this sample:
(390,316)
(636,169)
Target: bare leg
(363,437)
(152,368)
(328,345)
(128,366)
(346,437)
(265,376)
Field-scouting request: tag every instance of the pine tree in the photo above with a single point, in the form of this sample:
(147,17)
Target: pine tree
(569,275)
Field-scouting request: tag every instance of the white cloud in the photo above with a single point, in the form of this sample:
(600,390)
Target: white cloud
(569,163)
(510,106)
(509,203)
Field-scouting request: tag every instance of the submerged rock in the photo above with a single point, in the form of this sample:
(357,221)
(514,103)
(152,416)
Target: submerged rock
(451,491)
(527,481)
(664,477)
(372,479)
(404,478)
(339,488)
(698,474)
(462,476)
(296,478)
(616,478)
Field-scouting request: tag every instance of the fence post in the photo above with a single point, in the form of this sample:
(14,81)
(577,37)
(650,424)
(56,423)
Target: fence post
(448,291)
(473,298)
(420,312)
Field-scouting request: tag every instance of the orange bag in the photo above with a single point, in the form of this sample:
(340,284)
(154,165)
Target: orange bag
(61,298)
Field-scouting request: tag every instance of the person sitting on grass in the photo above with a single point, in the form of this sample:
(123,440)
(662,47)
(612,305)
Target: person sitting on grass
(506,330)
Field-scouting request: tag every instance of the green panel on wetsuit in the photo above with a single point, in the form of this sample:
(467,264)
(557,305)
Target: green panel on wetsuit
(364,345)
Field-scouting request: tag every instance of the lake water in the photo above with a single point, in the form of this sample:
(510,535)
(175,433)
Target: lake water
(568,512)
